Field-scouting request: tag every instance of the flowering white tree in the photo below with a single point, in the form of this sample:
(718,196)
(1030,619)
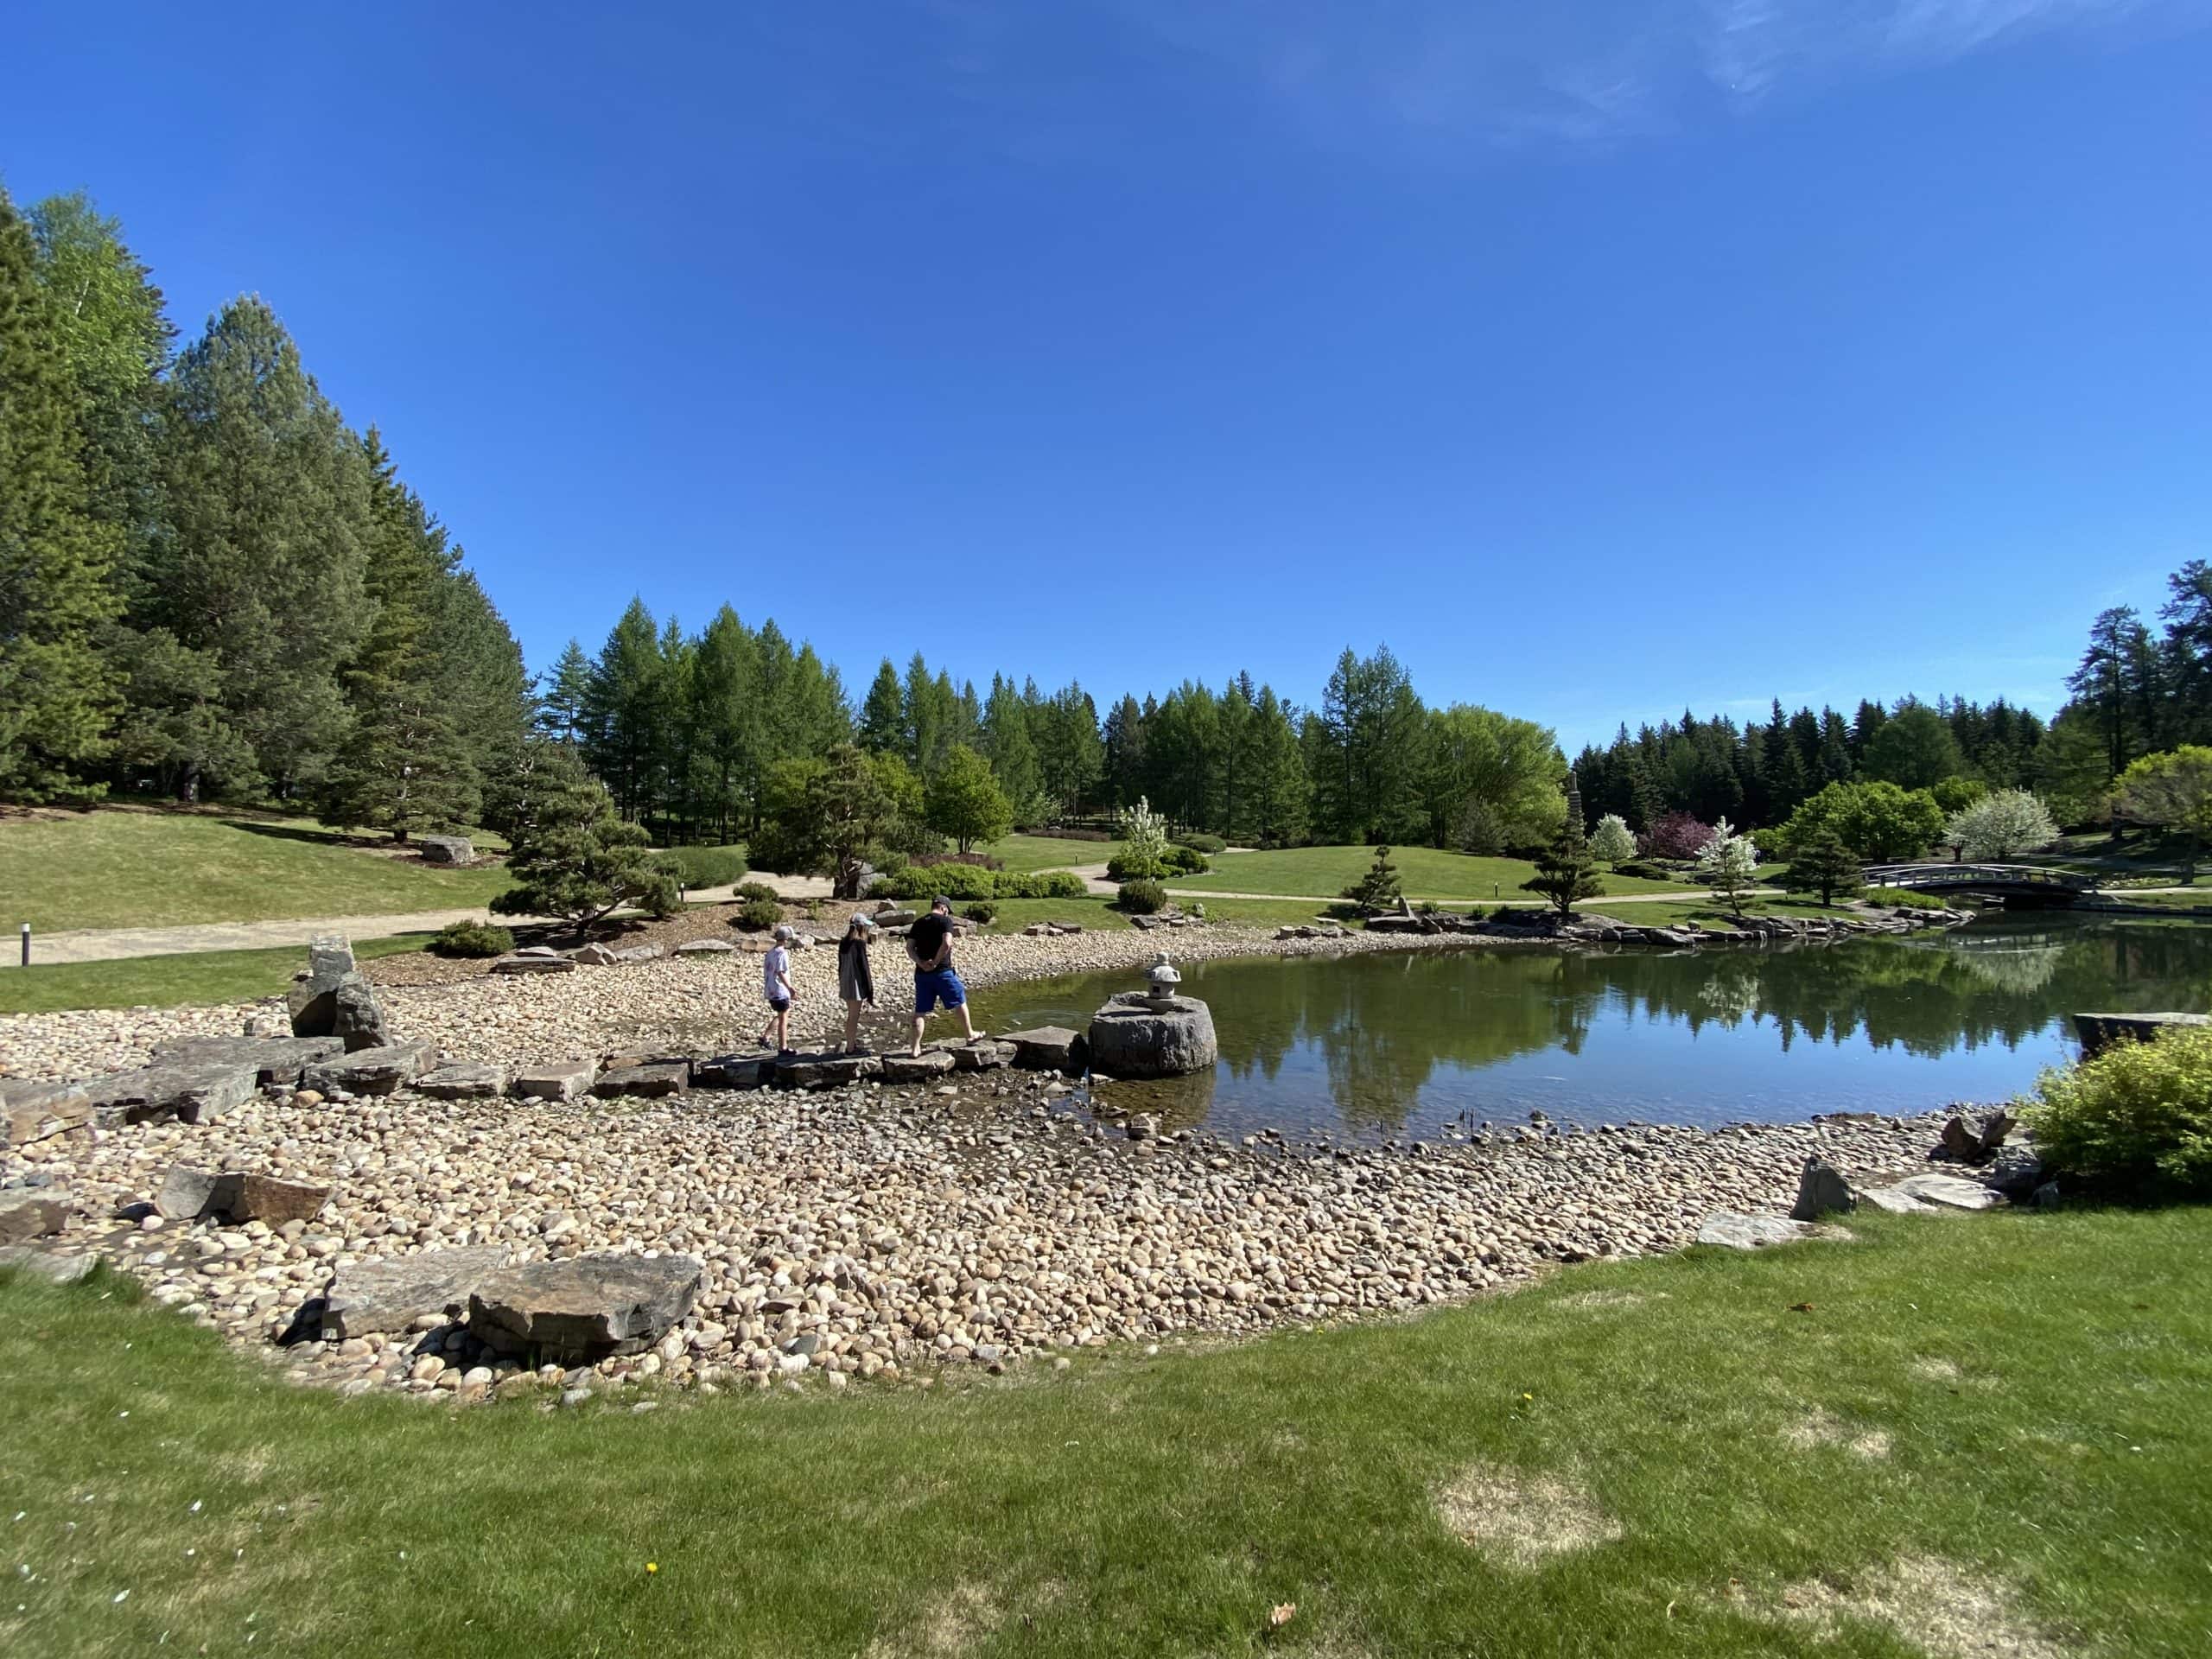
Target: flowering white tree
(1144,839)
(1610,843)
(1997,826)
(1728,864)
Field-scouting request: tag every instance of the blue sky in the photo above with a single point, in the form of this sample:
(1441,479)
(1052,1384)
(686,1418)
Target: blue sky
(1649,355)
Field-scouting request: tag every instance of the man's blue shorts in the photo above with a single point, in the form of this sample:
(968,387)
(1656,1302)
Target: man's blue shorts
(940,989)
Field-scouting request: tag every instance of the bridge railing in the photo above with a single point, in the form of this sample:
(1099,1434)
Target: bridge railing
(1923,876)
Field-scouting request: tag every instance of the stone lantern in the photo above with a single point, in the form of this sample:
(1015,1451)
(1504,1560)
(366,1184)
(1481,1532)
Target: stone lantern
(1160,982)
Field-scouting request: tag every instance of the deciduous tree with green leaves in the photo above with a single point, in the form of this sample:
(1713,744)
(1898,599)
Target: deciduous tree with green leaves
(965,802)
(2002,825)
(2172,790)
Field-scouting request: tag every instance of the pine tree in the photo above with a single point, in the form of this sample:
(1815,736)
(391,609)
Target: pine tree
(573,855)
(1378,889)
(268,498)
(1822,864)
(1565,873)
(403,765)
(56,693)
(561,708)
(1012,751)
(882,726)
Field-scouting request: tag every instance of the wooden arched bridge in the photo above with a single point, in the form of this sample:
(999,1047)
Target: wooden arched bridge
(2030,884)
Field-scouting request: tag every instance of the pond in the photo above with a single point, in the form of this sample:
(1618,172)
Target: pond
(1409,1045)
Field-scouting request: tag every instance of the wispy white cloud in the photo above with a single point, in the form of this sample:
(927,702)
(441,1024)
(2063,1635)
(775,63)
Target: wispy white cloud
(1594,72)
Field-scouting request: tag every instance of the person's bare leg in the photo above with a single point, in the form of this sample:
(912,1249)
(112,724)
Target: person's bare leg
(852,1025)
(966,1024)
(917,1034)
(783,1029)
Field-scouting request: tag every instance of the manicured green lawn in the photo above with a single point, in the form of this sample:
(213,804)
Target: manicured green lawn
(200,976)
(132,868)
(1047,852)
(1744,1433)
(1423,872)
(1014,914)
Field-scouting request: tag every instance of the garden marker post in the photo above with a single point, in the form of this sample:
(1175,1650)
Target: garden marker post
(26,945)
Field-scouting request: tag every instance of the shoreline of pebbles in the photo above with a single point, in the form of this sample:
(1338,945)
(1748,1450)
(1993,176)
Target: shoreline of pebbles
(870,1230)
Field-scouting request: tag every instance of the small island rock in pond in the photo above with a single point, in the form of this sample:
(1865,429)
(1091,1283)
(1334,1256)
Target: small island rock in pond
(1140,1036)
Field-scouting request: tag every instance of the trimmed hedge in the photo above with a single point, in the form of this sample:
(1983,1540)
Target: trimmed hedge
(1179,861)
(963,881)
(471,939)
(705,867)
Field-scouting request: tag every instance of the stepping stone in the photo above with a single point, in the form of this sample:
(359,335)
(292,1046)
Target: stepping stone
(1048,1048)
(584,1308)
(1949,1192)
(366,1297)
(824,1071)
(984,1054)
(731,1071)
(648,1082)
(38,1111)
(557,1079)
(1735,1231)
(915,1068)
(275,1060)
(372,1071)
(263,1197)
(33,1212)
(465,1080)
(524,961)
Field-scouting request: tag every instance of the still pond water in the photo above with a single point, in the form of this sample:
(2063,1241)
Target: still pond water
(1407,1044)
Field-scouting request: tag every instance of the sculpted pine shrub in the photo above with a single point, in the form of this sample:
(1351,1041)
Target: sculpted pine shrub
(472,940)
(2138,1114)
(749,892)
(1143,897)
(756,915)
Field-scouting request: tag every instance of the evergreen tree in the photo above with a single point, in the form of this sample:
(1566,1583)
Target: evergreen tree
(263,560)
(1125,761)
(882,723)
(1822,864)
(1378,889)
(848,811)
(574,856)
(625,710)
(726,760)
(56,691)
(1278,791)
(1011,750)
(560,709)
(403,765)
(1566,874)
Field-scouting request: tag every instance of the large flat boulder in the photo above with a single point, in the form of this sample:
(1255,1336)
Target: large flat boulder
(917,1068)
(446,849)
(37,1111)
(1945,1192)
(584,1308)
(366,1297)
(50,1265)
(556,1080)
(1048,1048)
(644,1082)
(190,1091)
(274,1060)
(984,1054)
(731,1071)
(706,948)
(313,1002)
(1137,1036)
(466,1080)
(823,1071)
(1734,1230)
(372,1071)
(32,1212)
(530,962)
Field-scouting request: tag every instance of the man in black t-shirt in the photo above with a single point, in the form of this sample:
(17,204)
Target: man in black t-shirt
(930,943)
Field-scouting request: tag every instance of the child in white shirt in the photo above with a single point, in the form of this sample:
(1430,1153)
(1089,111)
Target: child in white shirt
(776,986)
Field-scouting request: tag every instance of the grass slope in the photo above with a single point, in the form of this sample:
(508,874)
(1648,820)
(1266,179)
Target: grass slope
(1423,872)
(199,977)
(123,868)
(1047,852)
(2046,1420)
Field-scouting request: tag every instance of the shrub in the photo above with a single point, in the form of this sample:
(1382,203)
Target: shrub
(961,881)
(472,940)
(1378,888)
(1044,883)
(1073,835)
(756,914)
(1173,861)
(1676,835)
(983,912)
(757,892)
(938,860)
(1202,844)
(2139,1112)
(1904,898)
(705,867)
(1143,897)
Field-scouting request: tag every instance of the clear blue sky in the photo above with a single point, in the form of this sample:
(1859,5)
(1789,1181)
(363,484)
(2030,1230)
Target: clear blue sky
(1672,353)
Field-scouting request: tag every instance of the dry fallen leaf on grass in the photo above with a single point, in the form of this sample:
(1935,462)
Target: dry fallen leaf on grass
(1801,1307)
(1279,1615)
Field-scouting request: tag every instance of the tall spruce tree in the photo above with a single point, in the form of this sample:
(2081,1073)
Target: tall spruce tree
(403,765)
(263,562)
(56,691)
(882,729)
